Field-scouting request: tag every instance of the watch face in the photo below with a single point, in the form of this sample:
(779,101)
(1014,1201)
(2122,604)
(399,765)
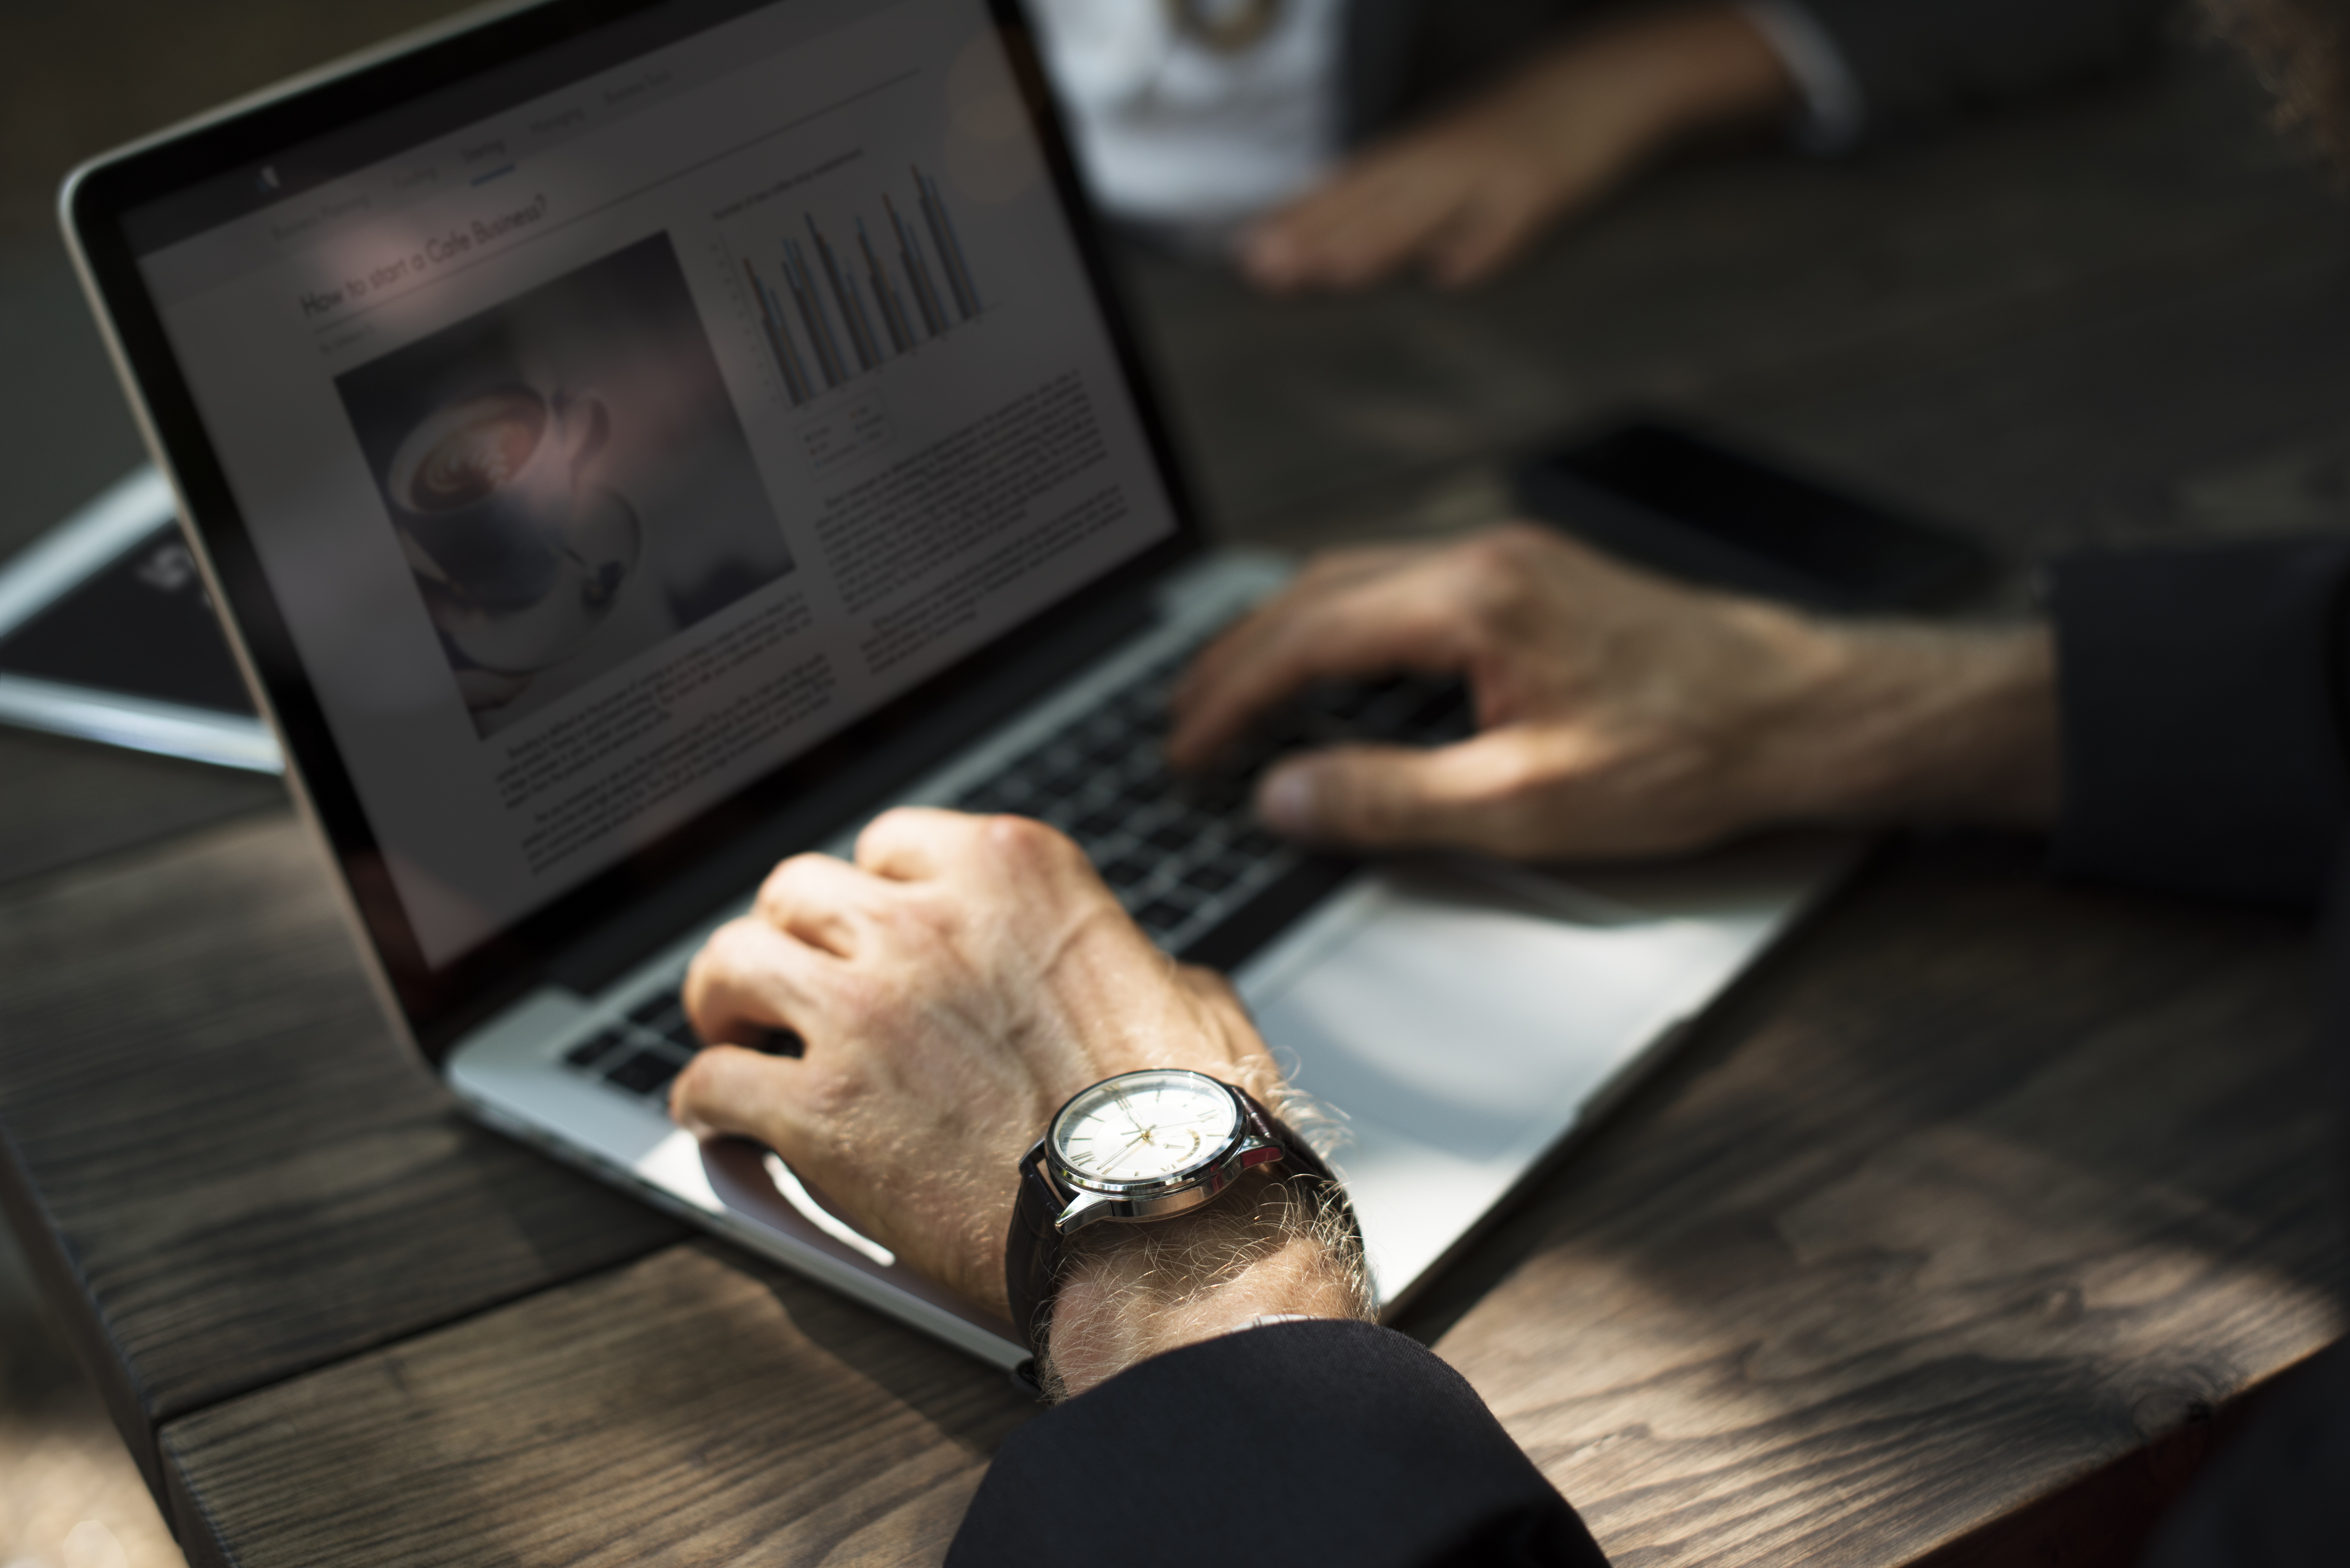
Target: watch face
(1146,1126)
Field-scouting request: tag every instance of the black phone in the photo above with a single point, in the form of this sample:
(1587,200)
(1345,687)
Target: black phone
(1683,503)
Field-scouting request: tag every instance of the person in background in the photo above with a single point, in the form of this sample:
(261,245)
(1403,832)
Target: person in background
(1222,1390)
(1333,144)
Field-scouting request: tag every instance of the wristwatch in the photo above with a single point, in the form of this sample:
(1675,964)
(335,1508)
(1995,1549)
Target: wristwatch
(1141,1146)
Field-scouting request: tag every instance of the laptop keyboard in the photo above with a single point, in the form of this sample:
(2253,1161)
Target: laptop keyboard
(643,1055)
(1183,855)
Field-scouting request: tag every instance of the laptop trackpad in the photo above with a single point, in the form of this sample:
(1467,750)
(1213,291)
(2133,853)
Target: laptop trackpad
(1457,1017)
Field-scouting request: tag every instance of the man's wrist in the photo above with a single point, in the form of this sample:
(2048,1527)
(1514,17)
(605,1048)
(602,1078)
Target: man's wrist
(1903,721)
(1132,1290)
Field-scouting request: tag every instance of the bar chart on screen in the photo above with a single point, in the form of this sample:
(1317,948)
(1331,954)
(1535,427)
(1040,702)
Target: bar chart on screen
(833,299)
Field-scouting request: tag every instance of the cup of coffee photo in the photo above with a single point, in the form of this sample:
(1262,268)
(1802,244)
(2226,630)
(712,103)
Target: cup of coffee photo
(568,478)
(522,553)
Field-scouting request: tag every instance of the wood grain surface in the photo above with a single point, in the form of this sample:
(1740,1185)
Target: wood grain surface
(1987,1183)
(694,1407)
(2113,315)
(1980,1185)
(1980,1197)
(69,801)
(214,1145)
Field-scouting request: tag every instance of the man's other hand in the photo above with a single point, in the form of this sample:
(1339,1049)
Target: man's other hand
(1618,713)
(1461,197)
(954,986)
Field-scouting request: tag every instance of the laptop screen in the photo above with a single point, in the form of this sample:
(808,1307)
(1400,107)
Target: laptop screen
(613,426)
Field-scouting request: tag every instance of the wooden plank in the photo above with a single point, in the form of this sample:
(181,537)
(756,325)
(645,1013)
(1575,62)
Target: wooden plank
(1983,1185)
(1987,1183)
(694,1407)
(2210,408)
(226,1170)
(72,799)
(1783,294)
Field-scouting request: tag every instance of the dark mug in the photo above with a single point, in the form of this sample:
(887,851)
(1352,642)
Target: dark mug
(486,491)
(521,550)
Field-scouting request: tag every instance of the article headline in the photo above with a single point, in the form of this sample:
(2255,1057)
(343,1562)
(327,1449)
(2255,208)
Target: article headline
(459,242)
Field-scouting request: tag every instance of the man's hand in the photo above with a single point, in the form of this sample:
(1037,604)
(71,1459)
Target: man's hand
(1463,196)
(954,987)
(1620,714)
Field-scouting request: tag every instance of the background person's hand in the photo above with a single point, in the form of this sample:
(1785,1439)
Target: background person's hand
(1463,195)
(954,987)
(1619,713)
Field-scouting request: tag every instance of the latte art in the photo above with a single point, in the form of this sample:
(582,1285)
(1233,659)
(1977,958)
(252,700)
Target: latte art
(482,445)
(518,547)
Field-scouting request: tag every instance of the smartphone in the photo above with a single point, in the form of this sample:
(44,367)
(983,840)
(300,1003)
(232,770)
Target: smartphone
(1677,502)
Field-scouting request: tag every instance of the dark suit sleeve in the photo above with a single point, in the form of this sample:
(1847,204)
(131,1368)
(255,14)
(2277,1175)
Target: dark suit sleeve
(2203,747)
(2272,1497)
(2204,752)
(1919,59)
(1303,1442)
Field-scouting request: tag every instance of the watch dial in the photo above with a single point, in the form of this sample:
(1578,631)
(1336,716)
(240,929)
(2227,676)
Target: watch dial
(1144,1127)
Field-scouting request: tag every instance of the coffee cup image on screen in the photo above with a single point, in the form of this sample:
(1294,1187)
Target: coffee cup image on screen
(567,480)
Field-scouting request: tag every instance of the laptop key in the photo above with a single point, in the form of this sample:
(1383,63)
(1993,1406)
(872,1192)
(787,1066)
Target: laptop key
(1213,877)
(1255,843)
(653,1011)
(1051,792)
(1127,873)
(646,1073)
(1160,916)
(1144,791)
(1218,795)
(1096,826)
(588,1051)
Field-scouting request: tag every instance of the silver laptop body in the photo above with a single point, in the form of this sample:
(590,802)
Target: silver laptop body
(632,443)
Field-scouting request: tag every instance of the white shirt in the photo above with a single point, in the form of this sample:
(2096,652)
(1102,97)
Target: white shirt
(1171,131)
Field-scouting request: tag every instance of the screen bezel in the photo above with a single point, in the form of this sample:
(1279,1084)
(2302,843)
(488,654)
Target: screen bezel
(438,1004)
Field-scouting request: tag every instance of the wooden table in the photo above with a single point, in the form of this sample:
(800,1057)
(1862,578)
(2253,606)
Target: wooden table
(1952,1235)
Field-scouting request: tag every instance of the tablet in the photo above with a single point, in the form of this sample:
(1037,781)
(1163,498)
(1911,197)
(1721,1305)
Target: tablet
(106,634)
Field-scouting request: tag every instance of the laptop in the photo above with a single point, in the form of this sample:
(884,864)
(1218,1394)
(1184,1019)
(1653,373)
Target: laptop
(632,443)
